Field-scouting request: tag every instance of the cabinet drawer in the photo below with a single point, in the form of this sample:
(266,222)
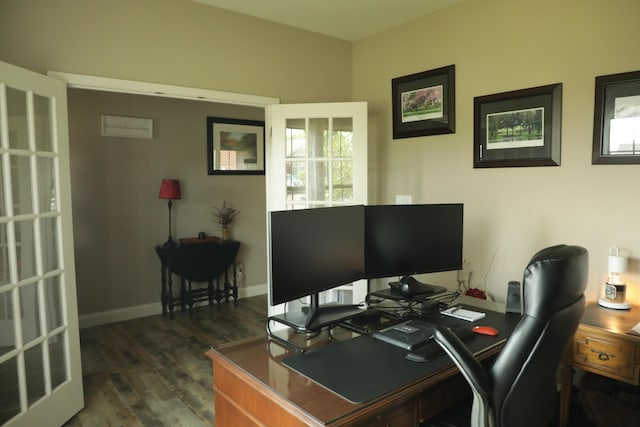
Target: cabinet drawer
(403,414)
(605,355)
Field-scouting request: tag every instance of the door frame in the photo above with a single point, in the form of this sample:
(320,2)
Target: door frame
(83,81)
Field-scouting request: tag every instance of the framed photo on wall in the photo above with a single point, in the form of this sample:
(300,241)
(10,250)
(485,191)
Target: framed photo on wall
(424,103)
(235,147)
(616,123)
(518,128)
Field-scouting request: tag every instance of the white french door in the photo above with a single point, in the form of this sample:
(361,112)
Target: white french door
(317,157)
(40,370)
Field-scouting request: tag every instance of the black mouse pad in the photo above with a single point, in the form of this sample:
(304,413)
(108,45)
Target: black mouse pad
(362,368)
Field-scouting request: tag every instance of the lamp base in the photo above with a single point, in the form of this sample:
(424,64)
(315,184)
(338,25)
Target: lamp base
(625,305)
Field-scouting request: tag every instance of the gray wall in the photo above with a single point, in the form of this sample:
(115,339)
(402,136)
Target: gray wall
(118,217)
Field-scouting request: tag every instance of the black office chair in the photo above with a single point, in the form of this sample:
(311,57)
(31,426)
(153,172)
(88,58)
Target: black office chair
(520,389)
(202,263)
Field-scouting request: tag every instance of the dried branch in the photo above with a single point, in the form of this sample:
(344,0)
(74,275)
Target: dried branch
(224,216)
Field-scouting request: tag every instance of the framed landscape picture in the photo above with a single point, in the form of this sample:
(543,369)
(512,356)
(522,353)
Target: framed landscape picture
(235,147)
(518,128)
(424,103)
(616,123)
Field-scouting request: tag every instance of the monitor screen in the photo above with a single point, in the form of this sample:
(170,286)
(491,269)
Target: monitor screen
(402,240)
(313,250)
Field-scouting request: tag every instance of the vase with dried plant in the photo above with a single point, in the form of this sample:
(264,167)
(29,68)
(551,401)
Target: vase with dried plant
(224,217)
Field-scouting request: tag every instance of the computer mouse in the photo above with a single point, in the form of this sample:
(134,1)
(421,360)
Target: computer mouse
(485,330)
(409,286)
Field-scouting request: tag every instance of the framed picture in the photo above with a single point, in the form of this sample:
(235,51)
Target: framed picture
(518,128)
(127,127)
(616,123)
(424,103)
(235,147)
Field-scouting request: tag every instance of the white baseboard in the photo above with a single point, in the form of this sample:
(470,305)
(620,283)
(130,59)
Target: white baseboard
(144,310)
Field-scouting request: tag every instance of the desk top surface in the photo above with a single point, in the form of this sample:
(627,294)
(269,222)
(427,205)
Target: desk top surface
(615,321)
(262,359)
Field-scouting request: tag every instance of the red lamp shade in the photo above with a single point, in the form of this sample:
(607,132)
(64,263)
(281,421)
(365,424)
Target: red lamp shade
(169,189)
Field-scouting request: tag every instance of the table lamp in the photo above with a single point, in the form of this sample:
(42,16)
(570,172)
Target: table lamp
(615,290)
(170,190)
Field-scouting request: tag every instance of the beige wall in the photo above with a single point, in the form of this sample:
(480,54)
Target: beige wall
(176,42)
(499,46)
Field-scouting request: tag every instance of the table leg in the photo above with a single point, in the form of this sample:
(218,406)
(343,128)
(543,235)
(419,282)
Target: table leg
(184,295)
(169,294)
(163,291)
(566,383)
(235,285)
(226,286)
(210,292)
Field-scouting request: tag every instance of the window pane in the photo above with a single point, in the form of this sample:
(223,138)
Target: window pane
(17,112)
(342,176)
(21,185)
(30,312)
(318,137)
(342,137)
(3,207)
(42,114)
(7,333)
(57,356)
(4,255)
(25,249)
(10,402)
(47,185)
(49,239)
(295,138)
(318,181)
(53,302)
(34,373)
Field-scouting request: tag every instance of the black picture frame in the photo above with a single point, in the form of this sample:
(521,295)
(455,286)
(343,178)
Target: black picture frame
(533,116)
(435,111)
(616,112)
(235,146)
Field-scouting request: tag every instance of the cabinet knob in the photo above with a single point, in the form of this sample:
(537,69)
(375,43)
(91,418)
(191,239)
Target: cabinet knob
(603,355)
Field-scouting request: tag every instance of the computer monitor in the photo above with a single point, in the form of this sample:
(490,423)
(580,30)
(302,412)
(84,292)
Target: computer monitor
(313,250)
(402,240)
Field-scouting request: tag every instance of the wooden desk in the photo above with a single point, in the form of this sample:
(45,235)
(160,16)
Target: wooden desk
(252,387)
(603,346)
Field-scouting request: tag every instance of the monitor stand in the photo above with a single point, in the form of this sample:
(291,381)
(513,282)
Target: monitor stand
(318,315)
(314,317)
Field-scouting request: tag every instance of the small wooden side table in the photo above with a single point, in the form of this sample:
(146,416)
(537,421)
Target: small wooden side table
(604,344)
(198,260)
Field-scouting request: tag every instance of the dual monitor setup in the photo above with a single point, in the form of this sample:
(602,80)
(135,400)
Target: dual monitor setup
(314,250)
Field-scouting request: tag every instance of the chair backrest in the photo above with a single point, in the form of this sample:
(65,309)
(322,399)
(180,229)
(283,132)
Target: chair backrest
(201,262)
(524,375)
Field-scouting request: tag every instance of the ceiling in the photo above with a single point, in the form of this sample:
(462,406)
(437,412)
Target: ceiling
(349,20)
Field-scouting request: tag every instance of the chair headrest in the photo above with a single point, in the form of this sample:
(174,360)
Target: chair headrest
(555,277)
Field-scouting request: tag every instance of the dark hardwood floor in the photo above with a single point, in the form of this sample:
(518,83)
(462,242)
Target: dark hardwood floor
(152,371)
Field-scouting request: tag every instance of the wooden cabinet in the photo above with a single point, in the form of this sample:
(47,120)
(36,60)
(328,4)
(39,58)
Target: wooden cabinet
(602,345)
(607,354)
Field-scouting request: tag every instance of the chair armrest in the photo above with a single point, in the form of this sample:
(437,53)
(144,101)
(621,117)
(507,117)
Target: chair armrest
(470,367)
